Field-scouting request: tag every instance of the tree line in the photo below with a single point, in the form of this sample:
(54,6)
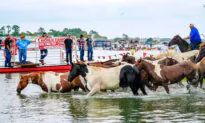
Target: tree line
(14,30)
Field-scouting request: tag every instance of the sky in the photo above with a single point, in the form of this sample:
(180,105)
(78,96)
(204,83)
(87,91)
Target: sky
(111,18)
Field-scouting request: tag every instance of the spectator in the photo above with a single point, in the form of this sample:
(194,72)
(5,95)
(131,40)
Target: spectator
(89,44)
(44,51)
(81,44)
(22,45)
(8,51)
(68,48)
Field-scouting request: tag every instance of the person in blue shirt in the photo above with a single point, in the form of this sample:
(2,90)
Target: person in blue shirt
(89,45)
(22,46)
(194,37)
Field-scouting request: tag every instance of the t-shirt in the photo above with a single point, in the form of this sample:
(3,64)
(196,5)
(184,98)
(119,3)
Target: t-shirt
(8,43)
(23,44)
(195,36)
(68,43)
(89,42)
(81,44)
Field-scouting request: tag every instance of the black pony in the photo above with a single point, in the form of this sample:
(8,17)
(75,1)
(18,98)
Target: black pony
(76,70)
(130,77)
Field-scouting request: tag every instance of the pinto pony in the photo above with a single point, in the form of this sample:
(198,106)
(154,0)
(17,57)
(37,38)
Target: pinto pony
(162,75)
(49,82)
(97,80)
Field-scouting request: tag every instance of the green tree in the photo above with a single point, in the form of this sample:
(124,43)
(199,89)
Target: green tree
(125,36)
(8,29)
(16,30)
(41,30)
(3,30)
(29,33)
(149,40)
(95,34)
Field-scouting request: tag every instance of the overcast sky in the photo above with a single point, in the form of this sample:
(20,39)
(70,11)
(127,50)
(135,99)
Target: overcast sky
(137,18)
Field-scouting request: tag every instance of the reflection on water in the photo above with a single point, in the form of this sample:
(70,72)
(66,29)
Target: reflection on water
(115,107)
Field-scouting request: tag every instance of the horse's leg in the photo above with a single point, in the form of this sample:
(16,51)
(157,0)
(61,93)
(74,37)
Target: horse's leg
(166,88)
(180,84)
(76,88)
(104,92)
(94,90)
(143,90)
(155,87)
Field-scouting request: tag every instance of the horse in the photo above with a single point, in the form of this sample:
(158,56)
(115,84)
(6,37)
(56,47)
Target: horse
(168,61)
(201,67)
(183,45)
(201,54)
(128,59)
(105,64)
(50,82)
(162,75)
(180,57)
(97,80)
(130,76)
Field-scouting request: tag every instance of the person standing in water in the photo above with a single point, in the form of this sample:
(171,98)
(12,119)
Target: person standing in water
(81,45)
(89,45)
(68,48)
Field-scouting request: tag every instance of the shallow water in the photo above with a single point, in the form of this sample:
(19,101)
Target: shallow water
(34,106)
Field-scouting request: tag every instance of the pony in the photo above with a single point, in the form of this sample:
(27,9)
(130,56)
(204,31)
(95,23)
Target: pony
(201,54)
(183,45)
(128,59)
(130,76)
(50,82)
(105,64)
(168,61)
(97,80)
(180,57)
(161,75)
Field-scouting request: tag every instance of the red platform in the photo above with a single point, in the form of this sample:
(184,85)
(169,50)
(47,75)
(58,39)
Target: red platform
(59,68)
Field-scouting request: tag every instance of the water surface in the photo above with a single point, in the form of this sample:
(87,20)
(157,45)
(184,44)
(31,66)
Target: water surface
(35,106)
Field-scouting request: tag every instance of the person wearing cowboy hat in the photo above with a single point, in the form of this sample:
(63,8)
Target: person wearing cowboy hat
(89,45)
(22,46)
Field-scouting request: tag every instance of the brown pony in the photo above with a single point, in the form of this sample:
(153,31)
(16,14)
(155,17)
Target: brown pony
(128,59)
(168,61)
(106,64)
(50,82)
(183,45)
(201,54)
(162,75)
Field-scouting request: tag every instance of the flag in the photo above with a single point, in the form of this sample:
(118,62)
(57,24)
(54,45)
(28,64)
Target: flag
(144,54)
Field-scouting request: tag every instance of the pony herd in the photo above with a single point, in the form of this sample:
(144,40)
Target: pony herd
(155,71)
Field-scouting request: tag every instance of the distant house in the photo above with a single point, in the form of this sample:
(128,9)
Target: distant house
(103,44)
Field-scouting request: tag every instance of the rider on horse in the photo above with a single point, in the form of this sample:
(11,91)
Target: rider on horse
(194,37)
